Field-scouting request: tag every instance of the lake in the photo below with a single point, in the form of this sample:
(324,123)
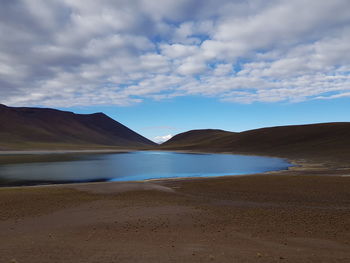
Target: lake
(133,166)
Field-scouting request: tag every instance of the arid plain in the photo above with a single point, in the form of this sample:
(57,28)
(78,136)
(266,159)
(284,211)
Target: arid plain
(299,215)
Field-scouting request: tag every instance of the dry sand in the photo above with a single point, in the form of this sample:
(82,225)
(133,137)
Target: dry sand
(300,215)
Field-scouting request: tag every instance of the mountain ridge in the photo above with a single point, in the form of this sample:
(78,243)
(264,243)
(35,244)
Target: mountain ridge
(26,127)
(320,141)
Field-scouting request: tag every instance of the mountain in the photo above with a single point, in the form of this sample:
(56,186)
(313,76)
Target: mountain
(40,128)
(317,141)
(197,137)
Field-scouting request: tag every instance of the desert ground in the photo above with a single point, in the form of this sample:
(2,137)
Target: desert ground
(299,215)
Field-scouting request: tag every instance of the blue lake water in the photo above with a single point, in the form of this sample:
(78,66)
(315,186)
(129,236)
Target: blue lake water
(133,166)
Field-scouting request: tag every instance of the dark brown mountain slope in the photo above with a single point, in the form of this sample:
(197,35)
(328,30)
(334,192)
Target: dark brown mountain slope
(49,128)
(317,141)
(197,137)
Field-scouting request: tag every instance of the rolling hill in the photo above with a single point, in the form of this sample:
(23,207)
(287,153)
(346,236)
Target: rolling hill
(325,141)
(39,128)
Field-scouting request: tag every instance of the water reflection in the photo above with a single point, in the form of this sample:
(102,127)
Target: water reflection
(137,166)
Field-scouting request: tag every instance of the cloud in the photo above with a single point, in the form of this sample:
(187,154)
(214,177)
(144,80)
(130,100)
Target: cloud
(69,53)
(161,139)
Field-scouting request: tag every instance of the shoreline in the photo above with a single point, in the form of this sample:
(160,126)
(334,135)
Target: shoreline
(310,171)
(297,165)
(289,216)
(48,153)
(295,215)
(295,162)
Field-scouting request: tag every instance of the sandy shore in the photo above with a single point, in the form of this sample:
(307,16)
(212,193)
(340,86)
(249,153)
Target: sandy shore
(300,215)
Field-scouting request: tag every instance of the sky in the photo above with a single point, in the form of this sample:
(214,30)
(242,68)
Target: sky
(164,67)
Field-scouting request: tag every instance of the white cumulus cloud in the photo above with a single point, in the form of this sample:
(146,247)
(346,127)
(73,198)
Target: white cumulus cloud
(120,52)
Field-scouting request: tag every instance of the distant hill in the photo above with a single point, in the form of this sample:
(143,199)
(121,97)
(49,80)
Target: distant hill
(326,141)
(39,128)
(196,137)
